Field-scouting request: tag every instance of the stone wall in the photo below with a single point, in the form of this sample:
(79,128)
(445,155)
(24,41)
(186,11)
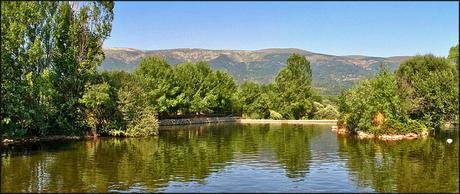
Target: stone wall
(165,122)
(188,121)
(270,121)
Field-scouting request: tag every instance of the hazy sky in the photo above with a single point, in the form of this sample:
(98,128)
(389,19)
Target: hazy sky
(338,28)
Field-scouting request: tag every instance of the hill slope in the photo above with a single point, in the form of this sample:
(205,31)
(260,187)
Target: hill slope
(330,73)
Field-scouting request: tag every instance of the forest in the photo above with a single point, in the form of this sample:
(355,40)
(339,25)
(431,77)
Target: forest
(50,84)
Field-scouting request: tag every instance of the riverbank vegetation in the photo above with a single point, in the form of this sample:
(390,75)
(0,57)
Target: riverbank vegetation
(51,86)
(422,94)
(49,54)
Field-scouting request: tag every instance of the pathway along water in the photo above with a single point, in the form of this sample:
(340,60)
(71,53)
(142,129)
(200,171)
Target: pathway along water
(232,157)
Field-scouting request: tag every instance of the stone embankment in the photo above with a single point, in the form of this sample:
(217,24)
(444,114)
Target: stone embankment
(188,121)
(270,121)
(385,137)
(165,122)
(43,139)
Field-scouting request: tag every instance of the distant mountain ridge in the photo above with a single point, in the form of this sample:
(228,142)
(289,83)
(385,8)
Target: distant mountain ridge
(331,73)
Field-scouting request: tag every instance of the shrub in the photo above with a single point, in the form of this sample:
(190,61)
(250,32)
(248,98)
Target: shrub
(145,124)
(377,106)
(432,88)
(326,112)
(275,115)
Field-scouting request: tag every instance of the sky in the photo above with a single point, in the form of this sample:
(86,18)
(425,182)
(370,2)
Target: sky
(338,28)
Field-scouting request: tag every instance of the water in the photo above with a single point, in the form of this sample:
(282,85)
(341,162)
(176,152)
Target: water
(235,158)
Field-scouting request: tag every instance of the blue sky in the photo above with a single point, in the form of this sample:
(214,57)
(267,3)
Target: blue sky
(338,28)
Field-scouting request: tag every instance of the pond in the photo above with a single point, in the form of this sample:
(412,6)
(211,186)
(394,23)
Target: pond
(235,158)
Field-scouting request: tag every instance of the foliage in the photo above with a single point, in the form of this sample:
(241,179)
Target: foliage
(453,55)
(432,89)
(49,53)
(275,115)
(377,106)
(332,75)
(95,99)
(136,116)
(254,102)
(326,111)
(144,124)
(293,86)
(156,77)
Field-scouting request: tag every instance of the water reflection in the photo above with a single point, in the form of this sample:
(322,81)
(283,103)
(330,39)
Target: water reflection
(426,165)
(233,157)
(186,155)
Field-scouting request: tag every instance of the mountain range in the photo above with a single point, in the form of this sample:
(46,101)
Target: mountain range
(331,73)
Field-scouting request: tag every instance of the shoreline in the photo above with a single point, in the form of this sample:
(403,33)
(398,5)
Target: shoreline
(31,140)
(171,122)
(187,121)
(382,137)
(270,121)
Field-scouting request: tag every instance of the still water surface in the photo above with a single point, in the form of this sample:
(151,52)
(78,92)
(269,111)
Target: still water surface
(235,158)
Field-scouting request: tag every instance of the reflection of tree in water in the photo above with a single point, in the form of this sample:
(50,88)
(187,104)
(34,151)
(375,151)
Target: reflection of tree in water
(186,154)
(429,165)
(291,144)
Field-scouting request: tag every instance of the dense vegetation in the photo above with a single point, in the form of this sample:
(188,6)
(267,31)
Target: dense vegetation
(50,84)
(422,94)
(331,74)
(49,54)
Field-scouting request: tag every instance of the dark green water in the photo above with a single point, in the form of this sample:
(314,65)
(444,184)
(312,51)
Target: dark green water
(235,158)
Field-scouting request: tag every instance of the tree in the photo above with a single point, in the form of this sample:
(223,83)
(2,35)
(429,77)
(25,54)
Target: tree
(293,86)
(96,98)
(139,118)
(156,77)
(453,55)
(377,106)
(254,102)
(50,51)
(224,89)
(195,82)
(432,88)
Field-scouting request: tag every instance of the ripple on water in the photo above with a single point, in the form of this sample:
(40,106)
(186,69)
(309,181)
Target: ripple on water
(235,158)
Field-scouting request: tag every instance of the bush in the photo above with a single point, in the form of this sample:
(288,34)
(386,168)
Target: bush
(432,88)
(145,124)
(326,112)
(377,106)
(275,115)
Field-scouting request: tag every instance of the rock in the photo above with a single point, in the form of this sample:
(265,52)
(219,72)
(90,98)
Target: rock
(342,131)
(334,128)
(411,136)
(391,137)
(364,135)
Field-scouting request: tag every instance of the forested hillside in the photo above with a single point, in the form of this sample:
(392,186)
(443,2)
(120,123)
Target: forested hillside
(331,74)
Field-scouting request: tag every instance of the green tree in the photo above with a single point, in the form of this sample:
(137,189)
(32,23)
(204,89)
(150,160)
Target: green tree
(377,106)
(432,88)
(196,83)
(224,89)
(50,51)
(95,99)
(156,77)
(293,85)
(453,54)
(254,102)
